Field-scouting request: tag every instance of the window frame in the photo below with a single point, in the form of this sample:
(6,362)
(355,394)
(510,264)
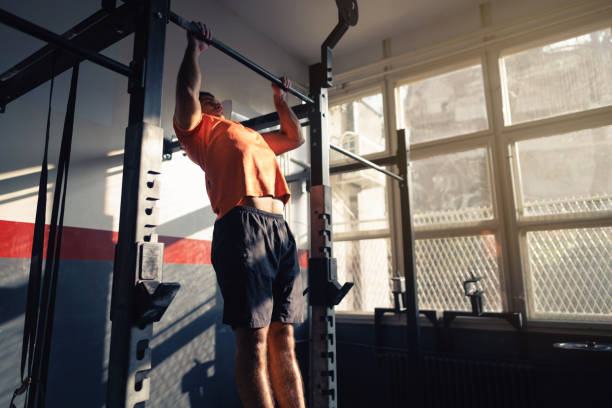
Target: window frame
(506,48)
(346,96)
(460,143)
(508,136)
(500,140)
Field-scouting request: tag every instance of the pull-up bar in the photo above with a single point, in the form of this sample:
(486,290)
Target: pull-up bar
(366,162)
(183,23)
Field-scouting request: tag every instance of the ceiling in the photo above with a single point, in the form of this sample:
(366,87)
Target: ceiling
(300,26)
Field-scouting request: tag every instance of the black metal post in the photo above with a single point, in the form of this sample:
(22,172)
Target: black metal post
(325,291)
(414,331)
(130,353)
(412,309)
(43,34)
(185,24)
(321,266)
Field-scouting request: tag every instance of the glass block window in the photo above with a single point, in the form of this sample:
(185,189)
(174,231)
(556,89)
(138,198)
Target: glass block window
(451,189)
(442,265)
(357,126)
(559,78)
(570,274)
(565,174)
(445,105)
(367,263)
(359,201)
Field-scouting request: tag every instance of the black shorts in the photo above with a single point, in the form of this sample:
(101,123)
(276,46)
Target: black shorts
(255,258)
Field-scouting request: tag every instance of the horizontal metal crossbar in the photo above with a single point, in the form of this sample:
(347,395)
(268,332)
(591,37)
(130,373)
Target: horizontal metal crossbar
(366,162)
(257,123)
(83,41)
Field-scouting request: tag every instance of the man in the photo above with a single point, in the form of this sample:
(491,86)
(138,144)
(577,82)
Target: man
(253,252)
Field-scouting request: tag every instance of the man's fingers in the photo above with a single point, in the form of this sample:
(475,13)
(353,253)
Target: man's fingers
(280,90)
(285,82)
(204,31)
(208,34)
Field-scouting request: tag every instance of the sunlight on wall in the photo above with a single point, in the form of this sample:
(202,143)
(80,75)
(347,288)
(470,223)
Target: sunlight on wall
(183,199)
(112,198)
(23,172)
(183,193)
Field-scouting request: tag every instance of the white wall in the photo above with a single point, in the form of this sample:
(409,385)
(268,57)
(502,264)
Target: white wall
(444,26)
(101,116)
(194,352)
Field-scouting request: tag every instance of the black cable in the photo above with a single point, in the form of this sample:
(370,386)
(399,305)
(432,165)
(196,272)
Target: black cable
(55,238)
(40,305)
(33,296)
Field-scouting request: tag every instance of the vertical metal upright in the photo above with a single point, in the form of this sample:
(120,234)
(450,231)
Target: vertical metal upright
(138,255)
(325,292)
(412,308)
(321,265)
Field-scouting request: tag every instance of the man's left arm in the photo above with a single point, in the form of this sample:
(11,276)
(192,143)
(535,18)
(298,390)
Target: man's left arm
(289,136)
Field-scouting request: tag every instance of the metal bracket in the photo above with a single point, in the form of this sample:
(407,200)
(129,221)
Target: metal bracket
(323,284)
(475,295)
(348,14)
(150,260)
(514,318)
(152,299)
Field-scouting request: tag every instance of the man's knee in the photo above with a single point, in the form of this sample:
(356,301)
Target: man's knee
(280,337)
(251,342)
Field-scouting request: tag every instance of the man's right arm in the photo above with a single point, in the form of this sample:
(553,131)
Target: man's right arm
(187,111)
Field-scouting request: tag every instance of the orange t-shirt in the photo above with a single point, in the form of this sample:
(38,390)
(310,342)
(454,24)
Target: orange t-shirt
(236,160)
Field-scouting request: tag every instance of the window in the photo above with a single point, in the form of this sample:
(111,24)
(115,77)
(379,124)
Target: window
(444,105)
(362,243)
(366,263)
(481,186)
(563,77)
(563,181)
(359,201)
(443,265)
(566,174)
(451,189)
(570,274)
(358,126)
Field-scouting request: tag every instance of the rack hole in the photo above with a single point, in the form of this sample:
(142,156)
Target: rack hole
(141,347)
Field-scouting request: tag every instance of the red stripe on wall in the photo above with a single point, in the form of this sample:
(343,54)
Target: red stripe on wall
(87,244)
(84,244)
(186,251)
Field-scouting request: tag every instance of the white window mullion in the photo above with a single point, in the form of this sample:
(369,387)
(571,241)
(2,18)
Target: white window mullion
(509,257)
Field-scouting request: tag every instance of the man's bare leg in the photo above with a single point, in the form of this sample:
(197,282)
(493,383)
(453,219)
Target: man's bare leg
(284,370)
(252,368)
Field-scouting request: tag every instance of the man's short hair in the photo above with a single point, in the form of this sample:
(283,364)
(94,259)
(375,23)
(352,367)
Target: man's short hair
(204,94)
